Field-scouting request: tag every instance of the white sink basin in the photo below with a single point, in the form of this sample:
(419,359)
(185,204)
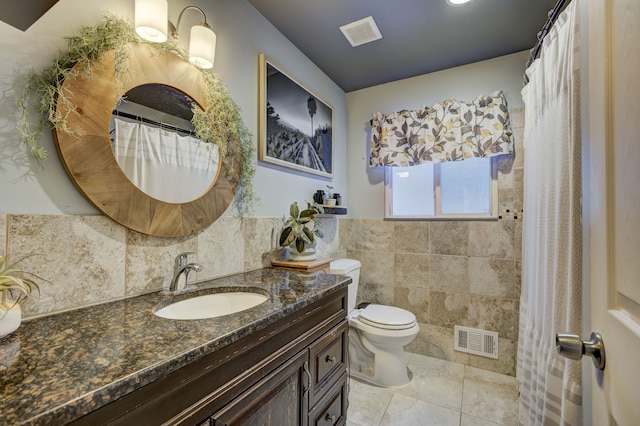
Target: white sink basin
(210,305)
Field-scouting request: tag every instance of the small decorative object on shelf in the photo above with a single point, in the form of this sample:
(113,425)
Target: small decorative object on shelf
(318,197)
(329,194)
(329,203)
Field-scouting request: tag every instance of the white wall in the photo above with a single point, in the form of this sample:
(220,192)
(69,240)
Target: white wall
(365,194)
(242,34)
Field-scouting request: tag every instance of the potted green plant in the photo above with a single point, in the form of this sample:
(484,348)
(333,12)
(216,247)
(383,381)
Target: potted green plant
(330,200)
(300,230)
(16,287)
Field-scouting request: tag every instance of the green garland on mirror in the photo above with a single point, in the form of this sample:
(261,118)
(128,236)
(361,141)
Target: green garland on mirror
(220,123)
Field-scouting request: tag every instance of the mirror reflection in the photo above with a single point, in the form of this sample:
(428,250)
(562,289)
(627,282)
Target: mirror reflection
(154,143)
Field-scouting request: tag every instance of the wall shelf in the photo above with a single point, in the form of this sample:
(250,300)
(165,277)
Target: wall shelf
(333,210)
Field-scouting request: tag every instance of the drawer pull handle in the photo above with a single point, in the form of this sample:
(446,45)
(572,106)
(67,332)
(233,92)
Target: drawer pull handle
(331,359)
(330,418)
(305,368)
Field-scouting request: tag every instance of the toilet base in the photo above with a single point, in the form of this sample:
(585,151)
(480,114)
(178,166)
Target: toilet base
(369,379)
(384,367)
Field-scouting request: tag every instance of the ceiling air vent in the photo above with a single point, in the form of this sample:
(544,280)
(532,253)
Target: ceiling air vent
(362,31)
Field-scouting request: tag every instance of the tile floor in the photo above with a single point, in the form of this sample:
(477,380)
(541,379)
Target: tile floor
(441,393)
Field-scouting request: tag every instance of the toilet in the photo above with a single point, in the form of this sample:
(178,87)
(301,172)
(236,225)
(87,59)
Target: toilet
(377,334)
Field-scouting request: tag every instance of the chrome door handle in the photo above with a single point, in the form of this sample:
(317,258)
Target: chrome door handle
(573,347)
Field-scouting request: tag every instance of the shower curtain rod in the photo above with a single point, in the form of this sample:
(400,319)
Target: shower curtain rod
(552,16)
(148,121)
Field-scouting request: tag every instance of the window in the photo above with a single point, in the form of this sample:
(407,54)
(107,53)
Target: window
(458,189)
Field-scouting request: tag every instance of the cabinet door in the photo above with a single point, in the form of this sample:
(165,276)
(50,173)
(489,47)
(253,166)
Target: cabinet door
(278,399)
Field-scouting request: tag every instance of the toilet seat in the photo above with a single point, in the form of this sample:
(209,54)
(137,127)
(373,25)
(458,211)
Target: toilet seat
(387,317)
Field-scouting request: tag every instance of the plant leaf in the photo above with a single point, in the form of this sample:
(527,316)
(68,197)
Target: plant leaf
(309,233)
(9,281)
(287,237)
(294,211)
(308,215)
(297,229)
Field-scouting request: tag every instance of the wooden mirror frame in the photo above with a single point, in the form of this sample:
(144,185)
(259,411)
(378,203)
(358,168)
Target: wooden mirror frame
(89,159)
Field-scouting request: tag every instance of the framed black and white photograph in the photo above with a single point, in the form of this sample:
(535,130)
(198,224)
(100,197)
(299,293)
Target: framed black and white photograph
(296,124)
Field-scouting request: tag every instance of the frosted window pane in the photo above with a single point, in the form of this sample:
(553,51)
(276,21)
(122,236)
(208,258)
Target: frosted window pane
(413,190)
(465,186)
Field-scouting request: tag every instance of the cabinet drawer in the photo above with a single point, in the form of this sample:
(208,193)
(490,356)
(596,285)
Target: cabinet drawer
(332,409)
(327,361)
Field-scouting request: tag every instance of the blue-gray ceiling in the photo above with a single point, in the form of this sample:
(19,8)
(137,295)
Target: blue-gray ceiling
(22,15)
(419,36)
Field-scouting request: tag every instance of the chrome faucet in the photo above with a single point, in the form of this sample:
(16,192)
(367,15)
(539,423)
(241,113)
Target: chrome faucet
(182,267)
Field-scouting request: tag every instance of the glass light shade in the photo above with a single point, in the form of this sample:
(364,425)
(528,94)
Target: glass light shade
(457,2)
(151,19)
(202,46)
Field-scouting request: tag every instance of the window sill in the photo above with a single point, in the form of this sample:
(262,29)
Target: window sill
(444,218)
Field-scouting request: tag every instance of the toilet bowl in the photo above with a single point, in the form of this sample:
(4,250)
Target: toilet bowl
(377,334)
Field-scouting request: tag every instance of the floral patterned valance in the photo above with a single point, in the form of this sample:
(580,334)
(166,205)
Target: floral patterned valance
(448,131)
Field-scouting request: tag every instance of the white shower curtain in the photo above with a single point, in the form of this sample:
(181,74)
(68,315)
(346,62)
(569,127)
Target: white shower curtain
(164,164)
(550,386)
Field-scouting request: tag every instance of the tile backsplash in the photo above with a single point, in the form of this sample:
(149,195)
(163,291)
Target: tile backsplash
(474,282)
(91,259)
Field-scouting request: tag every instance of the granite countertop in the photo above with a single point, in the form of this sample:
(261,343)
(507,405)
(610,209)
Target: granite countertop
(57,368)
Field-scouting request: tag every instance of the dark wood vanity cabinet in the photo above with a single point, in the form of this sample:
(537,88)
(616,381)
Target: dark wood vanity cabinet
(293,372)
(315,378)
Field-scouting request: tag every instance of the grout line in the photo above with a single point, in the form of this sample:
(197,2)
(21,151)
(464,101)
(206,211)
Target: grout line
(387,407)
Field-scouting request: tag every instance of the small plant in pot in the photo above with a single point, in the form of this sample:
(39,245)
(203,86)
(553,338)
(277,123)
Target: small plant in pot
(330,200)
(300,230)
(16,287)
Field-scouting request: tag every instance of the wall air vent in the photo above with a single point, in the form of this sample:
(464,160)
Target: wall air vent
(362,31)
(475,341)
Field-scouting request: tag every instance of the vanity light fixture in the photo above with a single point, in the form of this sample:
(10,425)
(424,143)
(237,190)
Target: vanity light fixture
(151,20)
(152,24)
(457,2)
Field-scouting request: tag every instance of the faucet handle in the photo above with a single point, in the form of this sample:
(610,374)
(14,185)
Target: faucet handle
(183,258)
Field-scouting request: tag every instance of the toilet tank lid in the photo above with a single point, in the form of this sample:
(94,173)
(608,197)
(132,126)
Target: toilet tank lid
(343,266)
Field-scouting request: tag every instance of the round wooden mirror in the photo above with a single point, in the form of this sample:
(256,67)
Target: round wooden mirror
(90,162)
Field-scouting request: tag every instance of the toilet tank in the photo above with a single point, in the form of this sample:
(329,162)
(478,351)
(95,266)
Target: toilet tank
(350,267)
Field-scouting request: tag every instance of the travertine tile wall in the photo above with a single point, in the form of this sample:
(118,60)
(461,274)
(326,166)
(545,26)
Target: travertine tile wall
(449,272)
(91,259)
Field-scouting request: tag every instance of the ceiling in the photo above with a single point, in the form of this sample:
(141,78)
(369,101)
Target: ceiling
(21,16)
(418,36)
